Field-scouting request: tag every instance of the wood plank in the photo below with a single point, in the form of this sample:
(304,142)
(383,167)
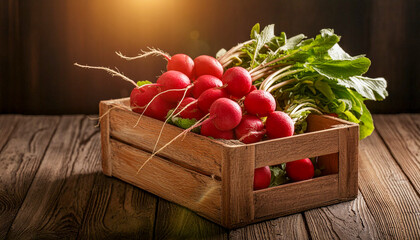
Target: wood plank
(19,162)
(194,150)
(237,190)
(290,227)
(277,151)
(307,194)
(348,162)
(63,183)
(176,222)
(197,192)
(118,210)
(348,220)
(392,200)
(7,125)
(322,122)
(401,134)
(105,148)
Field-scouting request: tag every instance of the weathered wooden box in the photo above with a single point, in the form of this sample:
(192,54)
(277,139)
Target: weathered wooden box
(215,178)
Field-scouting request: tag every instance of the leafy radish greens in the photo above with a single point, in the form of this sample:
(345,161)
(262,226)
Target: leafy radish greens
(306,76)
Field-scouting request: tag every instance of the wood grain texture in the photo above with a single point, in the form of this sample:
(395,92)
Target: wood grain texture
(62,186)
(392,200)
(20,159)
(306,194)
(197,192)
(118,210)
(176,222)
(7,125)
(321,122)
(348,162)
(401,134)
(348,220)
(277,151)
(290,227)
(105,148)
(194,150)
(237,189)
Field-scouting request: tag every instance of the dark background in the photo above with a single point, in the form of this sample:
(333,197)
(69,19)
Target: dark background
(40,40)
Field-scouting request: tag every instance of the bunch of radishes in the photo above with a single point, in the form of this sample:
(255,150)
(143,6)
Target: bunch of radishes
(225,103)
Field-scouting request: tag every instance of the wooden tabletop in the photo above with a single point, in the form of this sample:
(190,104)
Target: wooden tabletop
(51,186)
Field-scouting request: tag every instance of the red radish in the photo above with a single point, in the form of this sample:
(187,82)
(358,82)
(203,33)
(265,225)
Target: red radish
(190,111)
(159,108)
(207,98)
(205,82)
(250,130)
(300,170)
(279,124)
(238,81)
(225,114)
(207,65)
(253,88)
(208,129)
(173,80)
(181,63)
(140,97)
(262,178)
(260,103)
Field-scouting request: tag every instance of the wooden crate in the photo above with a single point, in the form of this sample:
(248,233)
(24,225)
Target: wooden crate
(215,178)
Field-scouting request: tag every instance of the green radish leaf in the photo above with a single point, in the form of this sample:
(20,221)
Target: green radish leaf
(325,89)
(255,31)
(337,53)
(278,176)
(141,83)
(366,123)
(341,69)
(267,34)
(182,122)
(292,42)
(370,88)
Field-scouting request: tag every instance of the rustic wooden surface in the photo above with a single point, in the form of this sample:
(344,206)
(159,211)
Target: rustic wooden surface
(52,186)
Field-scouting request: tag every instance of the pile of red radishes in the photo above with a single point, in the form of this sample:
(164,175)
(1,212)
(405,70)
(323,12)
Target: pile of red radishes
(225,104)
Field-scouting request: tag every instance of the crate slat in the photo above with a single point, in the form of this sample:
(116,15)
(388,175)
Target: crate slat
(193,190)
(288,149)
(296,197)
(194,150)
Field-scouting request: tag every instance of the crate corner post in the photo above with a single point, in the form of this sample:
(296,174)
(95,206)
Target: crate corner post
(237,185)
(104,111)
(348,162)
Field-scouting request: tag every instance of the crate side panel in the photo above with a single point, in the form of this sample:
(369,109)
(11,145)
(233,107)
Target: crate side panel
(296,147)
(193,190)
(194,150)
(296,197)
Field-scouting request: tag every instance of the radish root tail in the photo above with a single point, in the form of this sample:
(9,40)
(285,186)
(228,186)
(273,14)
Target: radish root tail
(197,124)
(169,117)
(110,71)
(151,52)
